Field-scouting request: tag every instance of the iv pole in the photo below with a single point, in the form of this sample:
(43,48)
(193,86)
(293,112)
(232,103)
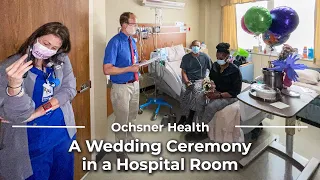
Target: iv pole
(157,101)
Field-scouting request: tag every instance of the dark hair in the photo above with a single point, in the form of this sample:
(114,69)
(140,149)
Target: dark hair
(54,28)
(193,42)
(124,18)
(223,47)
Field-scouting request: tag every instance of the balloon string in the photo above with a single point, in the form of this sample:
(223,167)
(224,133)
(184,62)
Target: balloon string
(272,49)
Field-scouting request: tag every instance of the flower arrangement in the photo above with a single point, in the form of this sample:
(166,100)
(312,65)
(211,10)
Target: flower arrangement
(286,64)
(286,51)
(208,85)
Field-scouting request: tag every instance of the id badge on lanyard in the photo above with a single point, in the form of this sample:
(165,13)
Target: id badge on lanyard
(47,92)
(47,88)
(135,56)
(136,60)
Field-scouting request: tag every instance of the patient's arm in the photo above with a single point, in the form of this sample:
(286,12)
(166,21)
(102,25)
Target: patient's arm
(184,76)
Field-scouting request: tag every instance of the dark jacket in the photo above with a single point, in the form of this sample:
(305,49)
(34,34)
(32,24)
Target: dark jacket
(230,80)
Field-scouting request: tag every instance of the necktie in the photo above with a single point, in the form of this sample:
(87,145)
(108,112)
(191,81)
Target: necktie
(136,76)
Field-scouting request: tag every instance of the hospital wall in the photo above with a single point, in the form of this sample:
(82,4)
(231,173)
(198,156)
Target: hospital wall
(97,36)
(210,24)
(189,15)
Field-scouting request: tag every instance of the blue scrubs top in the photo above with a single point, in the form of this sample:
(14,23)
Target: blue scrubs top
(118,53)
(41,140)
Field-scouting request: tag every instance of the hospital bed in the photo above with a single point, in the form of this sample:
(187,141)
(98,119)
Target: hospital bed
(167,74)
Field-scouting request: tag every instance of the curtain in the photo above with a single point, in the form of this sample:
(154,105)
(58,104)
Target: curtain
(232,2)
(229,26)
(317,33)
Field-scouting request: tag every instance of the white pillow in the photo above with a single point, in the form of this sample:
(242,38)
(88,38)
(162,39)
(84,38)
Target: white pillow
(308,76)
(180,51)
(175,53)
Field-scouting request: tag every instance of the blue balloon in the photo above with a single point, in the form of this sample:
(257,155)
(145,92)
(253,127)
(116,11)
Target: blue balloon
(284,20)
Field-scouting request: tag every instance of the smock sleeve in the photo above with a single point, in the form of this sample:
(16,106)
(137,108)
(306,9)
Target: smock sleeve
(13,109)
(67,90)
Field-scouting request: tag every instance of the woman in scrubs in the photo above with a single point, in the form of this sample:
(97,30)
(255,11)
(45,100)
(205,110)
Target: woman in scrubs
(41,98)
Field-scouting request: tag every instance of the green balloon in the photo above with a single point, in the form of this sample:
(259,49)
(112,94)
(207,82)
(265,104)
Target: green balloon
(241,52)
(258,20)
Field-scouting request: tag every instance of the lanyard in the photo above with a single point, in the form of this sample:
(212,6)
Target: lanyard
(51,78)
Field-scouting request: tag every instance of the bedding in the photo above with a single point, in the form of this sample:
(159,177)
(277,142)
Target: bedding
(174,67)
(308,76)
(311,113)
(175,53)
(309,86)
(222,127)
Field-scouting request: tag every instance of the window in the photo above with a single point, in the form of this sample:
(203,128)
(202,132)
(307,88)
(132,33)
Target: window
(304,34)
(245,40)
(301,37)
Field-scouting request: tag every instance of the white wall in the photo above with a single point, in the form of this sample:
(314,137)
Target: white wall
(97,36)
(210,24)
(189,15)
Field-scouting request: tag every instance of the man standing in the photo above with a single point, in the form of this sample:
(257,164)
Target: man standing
(120,61)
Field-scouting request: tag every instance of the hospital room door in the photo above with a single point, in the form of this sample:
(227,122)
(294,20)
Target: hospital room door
(19,18)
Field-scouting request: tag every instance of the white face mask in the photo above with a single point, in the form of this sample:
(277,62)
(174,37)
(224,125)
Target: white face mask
(131,30)
(221,62)
(39,51)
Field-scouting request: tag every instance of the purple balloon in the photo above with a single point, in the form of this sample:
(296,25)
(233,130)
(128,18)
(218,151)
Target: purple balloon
(284,20)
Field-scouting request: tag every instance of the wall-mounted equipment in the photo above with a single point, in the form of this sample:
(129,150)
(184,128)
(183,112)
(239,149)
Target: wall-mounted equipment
(163,4)
(156,29)
(145,32)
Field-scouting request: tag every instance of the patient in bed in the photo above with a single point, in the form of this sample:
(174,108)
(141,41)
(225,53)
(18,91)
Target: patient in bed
(193,68)
(228,81)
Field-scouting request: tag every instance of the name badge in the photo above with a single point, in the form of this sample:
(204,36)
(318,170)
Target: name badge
(135,59)
(135,56)
(47,92)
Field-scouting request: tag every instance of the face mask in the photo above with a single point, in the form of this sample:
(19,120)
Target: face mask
(131,30)
(41,52)
(195,49)
(221,62)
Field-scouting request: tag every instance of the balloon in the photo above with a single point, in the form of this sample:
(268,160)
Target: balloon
(258,20)
(244,26)
(284,20)
(241,52)
(273,39)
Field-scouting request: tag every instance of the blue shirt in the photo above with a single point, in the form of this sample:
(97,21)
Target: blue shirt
(41,140)
(118,54)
